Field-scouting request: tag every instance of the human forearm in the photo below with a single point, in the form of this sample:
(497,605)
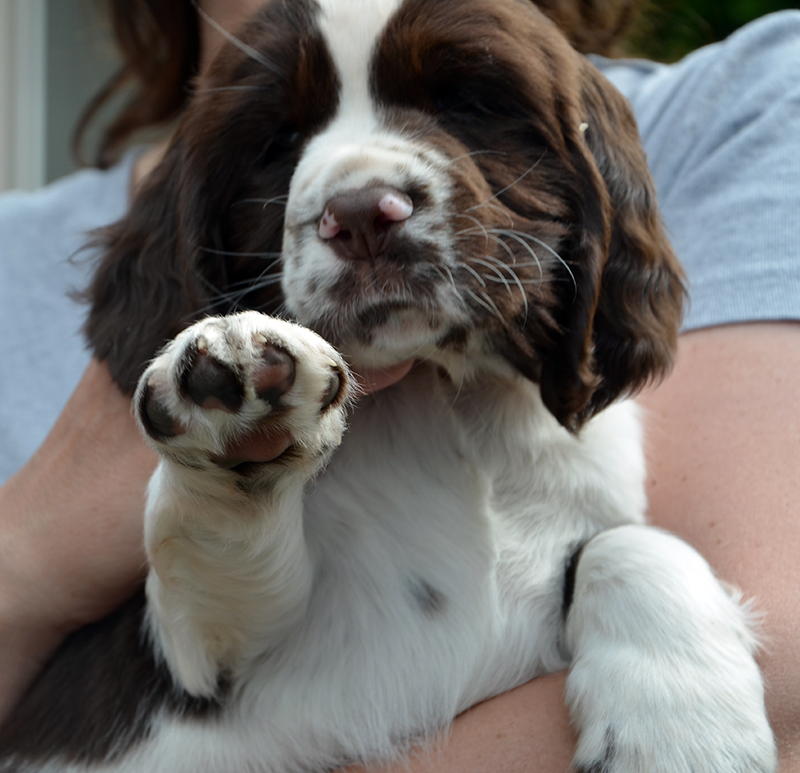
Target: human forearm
(70,529)
(526,730)
(724,443)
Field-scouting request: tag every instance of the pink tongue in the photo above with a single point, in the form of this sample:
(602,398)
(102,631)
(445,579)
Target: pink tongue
(261,446)
(375,380)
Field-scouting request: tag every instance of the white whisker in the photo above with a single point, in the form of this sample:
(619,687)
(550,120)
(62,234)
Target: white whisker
(276,255)
(488,305)
(281,200)
(476,153)
(473,272)
(505,282)
(511,185)
(493,268)
(241,45)
(520,236)
(477,222)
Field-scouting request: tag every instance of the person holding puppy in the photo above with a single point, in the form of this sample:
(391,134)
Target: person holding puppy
(724,434)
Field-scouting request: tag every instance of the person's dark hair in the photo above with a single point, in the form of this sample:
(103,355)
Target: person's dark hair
(159,44)
(158,41)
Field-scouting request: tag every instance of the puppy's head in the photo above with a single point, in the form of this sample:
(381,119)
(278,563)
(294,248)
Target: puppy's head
(406,176)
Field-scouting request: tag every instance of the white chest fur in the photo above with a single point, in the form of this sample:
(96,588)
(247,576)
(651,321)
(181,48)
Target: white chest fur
(437,537)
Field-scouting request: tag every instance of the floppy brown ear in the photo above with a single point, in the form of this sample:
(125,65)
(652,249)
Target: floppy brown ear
(619,315)
(200,237)
(147,286)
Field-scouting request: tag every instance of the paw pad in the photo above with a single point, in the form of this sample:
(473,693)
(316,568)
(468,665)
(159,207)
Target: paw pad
(209,383)
(275,376)
(242,390)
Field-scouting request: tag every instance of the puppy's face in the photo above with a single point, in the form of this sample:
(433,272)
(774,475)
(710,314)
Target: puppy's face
(406,176)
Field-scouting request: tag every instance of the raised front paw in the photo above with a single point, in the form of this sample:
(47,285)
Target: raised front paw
(242,391)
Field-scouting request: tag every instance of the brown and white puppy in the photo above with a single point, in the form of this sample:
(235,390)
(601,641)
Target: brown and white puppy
(440,186)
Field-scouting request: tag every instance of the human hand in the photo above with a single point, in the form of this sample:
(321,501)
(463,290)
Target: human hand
(71,545)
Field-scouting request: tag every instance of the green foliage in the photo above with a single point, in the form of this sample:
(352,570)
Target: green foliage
(670,29)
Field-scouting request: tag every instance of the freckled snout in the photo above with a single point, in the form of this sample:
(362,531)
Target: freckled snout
(360,224)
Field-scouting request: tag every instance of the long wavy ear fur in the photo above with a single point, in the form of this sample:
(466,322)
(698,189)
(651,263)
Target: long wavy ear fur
(188,246)
(619,321)
(147,287)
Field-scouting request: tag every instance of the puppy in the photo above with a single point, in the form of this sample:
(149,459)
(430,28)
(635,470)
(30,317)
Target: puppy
(440,189)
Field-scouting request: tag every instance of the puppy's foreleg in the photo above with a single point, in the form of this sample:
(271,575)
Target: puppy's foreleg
(663,678)
(244,410)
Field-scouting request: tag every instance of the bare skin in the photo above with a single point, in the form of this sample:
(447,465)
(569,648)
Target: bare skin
(70,550)
(724,448)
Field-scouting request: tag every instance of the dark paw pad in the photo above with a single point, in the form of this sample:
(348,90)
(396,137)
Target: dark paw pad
(275,376)
(210,383)
(336,386)
(156,419)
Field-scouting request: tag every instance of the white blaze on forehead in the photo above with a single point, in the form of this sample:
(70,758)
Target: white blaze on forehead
(354,149)
(352,29)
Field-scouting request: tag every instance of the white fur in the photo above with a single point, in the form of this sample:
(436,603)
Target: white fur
(660,650)
(354,151)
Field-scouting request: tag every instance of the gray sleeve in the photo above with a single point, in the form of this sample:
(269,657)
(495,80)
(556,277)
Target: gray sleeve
(722,133)
(42,353)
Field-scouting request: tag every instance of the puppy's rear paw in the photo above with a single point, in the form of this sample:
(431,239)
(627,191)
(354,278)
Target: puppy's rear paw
(242,391)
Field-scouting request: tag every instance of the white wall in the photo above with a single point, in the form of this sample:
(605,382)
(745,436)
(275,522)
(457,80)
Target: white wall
(54,56)
(80,59)
(22,93)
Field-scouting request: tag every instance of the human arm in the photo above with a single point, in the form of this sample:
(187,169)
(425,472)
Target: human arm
(723,450)
(71,546)
(723,454)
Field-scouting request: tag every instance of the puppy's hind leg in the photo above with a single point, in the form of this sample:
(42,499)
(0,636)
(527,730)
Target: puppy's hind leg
(243,410)
(663,678)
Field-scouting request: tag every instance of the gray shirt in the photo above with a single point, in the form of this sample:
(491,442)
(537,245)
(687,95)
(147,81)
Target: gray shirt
(42,354)
(722,133)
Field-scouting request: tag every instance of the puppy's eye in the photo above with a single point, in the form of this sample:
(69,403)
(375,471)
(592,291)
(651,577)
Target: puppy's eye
(283,142)
(478,103)
(285,138)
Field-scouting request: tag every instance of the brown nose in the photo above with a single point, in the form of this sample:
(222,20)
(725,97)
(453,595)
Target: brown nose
(359,224)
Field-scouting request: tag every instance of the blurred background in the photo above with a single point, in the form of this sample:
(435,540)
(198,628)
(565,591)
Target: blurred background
(667,30)
(55,54)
